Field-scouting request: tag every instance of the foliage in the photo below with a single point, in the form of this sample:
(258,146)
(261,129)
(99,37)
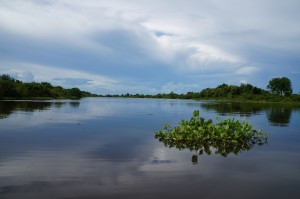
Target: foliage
(11,88)
(244,92)
(225,137)
(229,91)
(280,86)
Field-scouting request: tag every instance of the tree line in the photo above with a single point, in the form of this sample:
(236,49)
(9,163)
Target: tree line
(279,90)
(11,88)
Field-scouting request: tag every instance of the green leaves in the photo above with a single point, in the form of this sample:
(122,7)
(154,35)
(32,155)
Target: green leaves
(196,113)
(166,126)
(224,137)
(281,86)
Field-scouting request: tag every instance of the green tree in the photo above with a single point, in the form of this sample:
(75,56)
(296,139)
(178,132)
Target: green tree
(7,86)
(74,93)
(281,86)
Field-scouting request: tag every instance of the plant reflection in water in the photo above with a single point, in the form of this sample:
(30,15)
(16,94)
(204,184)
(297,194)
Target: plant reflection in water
(223,138)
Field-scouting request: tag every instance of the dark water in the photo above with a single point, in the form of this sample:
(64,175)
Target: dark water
(105,148)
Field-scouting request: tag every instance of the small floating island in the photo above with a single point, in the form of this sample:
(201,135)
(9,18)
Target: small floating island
(223,137)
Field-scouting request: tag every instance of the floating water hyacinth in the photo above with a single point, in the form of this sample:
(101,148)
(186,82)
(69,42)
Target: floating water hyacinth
(224,137)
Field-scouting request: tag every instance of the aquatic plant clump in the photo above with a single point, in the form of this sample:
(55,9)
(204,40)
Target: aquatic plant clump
(224,137)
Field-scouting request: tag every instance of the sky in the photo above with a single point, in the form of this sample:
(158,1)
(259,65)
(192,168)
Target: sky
(150,46)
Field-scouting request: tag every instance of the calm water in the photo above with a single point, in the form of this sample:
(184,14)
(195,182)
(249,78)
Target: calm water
(105,148)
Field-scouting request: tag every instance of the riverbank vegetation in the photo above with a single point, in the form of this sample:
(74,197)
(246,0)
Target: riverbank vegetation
(279,90)
(15,89)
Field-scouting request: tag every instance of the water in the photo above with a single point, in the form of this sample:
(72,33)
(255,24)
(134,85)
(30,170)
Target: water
(105,148)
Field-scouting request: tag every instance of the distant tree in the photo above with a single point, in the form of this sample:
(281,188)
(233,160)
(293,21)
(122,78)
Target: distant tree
(246,88)
(6,77)
(281,86)
(172,95)
(75,92)
(11,88)
(7,86)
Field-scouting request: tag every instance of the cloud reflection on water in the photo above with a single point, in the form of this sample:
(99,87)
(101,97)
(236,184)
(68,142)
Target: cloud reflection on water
(113,153)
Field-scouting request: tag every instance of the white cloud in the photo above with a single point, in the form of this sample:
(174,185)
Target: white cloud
(197,37)
(74,21)
(87,81)
(39,73)
(247,70)
(243,81)
(177,87)
(25,76)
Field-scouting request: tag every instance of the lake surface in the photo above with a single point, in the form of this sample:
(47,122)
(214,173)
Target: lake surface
(105,148)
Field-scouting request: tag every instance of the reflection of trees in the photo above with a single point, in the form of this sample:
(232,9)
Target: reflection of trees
(220,147)
(74,104)
(243,109)
(59,104)
(7,107)
(277,114)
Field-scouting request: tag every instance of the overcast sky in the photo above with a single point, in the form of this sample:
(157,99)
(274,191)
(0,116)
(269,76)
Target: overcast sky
(150,46)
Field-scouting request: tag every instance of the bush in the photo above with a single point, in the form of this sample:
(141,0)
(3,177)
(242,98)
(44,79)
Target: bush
(227,136)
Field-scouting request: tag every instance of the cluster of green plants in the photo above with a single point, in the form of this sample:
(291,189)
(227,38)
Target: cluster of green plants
(224,137)
(15,89)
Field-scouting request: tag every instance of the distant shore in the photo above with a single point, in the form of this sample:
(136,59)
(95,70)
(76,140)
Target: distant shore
(280,92)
